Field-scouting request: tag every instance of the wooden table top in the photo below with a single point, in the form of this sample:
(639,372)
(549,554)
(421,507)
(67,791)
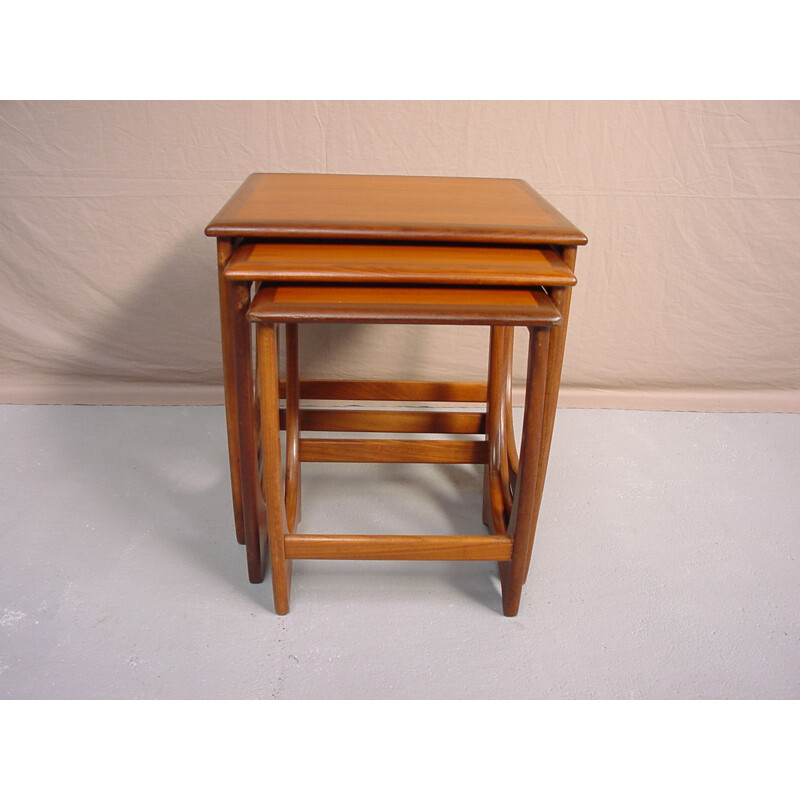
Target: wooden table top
(402,304)
(354,262)
(396,207)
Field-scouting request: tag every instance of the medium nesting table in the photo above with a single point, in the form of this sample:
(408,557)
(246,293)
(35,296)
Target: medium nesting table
(367,249)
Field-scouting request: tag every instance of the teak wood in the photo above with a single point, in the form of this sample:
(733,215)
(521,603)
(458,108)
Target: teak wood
(431,305)
(401,234)
(393,451)
(393,207)
(400,548)
(510,518)
(392,391)
(346,262)
(383,421)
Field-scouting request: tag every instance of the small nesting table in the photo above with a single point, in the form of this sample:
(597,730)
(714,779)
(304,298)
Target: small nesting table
(296,248)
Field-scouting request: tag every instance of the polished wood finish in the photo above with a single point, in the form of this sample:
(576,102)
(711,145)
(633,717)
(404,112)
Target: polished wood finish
(392,391)
(400,548)
(506,420)
(402,305)
(393,207)
(271,483)
(291,418)
(509,511)
(511,444)
(419,239)
(561,298)
(382,421)
(393,451)
(254,511)
(346,262)
(521,524)
(494,508)
(226,312)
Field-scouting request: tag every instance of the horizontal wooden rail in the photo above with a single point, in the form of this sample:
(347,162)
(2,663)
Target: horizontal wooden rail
(399,548)
(391,391)
(381,421)
(393,451)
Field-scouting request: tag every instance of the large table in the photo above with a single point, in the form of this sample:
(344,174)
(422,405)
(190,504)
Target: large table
(369,230)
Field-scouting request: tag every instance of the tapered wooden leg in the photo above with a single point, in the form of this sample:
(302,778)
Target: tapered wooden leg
(521,525)
(226,310)
(254,522)
(560,297)
(292,492)
(511,445)
(500,425)
(494,511)
(505,459)
(271,471)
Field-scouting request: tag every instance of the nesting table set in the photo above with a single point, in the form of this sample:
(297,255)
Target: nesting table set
(334,249)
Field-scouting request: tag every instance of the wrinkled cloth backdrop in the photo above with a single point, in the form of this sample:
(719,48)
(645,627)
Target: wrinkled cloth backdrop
(688,290)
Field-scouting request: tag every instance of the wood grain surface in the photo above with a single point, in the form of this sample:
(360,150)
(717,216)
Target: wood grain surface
(406,208)
(393,451)
(398,263)
(391,391)
(383,421)
(402,304)
(399,548)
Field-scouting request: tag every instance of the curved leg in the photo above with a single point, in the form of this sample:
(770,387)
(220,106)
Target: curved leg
(227,314)
(292,490)
(561,299)
(494,503)
(511,444)
(246,470)
(523,514)
(257,400)
(271,478)
(505,418)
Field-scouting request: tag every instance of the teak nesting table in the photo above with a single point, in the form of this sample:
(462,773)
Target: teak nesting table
(331,249)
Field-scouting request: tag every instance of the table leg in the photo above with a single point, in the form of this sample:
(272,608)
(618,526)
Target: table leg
(272,482)
(512,457)
(496,492)
(500,421)
(292,492)
(224,249)
(561,297)
(507,477)
(522,522)
(244,471)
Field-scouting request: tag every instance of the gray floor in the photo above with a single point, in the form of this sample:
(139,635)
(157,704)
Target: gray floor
(666,565)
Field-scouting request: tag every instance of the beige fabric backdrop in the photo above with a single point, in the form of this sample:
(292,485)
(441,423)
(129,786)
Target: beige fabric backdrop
(688,290)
